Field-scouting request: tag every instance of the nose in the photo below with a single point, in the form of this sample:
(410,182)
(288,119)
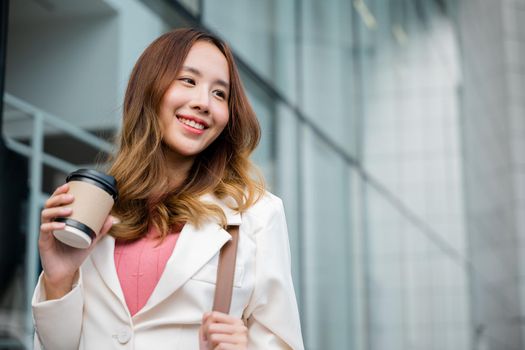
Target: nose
(200,100)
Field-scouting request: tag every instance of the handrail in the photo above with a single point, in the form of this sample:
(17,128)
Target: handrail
(60,123)
(47,159)
(37,158)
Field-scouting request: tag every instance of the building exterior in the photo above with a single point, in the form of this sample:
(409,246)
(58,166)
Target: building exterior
(394,131)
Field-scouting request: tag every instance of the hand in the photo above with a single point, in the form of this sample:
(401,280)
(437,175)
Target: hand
(60,261)
(222,332)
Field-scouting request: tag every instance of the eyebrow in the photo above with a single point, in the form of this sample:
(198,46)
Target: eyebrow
(198,73)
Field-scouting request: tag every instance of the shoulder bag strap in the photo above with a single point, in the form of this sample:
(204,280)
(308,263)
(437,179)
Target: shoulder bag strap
(225,272)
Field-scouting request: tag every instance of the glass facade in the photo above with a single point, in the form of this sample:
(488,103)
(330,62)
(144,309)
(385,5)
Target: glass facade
(373,167)
(388,147)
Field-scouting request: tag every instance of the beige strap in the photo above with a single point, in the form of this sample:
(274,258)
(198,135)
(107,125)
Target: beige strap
(226,272)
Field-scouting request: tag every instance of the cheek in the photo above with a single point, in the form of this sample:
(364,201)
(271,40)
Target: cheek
(173,99)
(224,117)
(165,120)
(165,113)
(221,114)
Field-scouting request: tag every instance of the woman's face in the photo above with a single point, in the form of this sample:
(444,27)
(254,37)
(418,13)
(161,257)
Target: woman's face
(194,109)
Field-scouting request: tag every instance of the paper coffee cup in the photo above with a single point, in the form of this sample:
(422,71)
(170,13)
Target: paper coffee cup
(94,195)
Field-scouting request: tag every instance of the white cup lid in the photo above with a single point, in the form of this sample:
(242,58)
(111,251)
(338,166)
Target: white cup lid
(73,237)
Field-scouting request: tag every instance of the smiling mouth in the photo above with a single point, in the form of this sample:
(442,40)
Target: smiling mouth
(192,123)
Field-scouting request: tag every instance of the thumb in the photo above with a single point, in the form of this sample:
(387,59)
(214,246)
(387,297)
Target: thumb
(203,343)
(110,221)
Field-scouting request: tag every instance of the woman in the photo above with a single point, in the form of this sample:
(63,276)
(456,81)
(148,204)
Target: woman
(184,174)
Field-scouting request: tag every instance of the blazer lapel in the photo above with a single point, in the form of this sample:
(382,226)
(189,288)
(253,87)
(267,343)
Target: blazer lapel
(195,247)
(104,261)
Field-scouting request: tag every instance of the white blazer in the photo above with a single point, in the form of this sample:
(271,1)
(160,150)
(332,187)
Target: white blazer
(94,315)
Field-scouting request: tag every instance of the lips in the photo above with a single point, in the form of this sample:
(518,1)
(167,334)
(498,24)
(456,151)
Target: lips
(192,122)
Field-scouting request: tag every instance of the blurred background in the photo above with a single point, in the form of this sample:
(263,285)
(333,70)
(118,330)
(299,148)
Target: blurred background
(394,131)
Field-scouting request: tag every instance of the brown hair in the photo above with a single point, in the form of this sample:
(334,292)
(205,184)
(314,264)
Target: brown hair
(224,168)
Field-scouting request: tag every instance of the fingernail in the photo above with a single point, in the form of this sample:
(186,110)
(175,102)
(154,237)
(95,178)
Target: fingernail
(115,221)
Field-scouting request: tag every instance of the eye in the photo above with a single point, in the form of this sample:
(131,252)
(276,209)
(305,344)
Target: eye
(220,94)
(186,80)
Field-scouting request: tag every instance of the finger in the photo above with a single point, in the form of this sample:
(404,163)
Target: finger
(223,328)
(226,346)
(61,189)
(201,334)
(220,338)
(205,324)
(50,213)
(219,317)
(46,234)
(49,227)
(205,317)
(58,200)
(203,340)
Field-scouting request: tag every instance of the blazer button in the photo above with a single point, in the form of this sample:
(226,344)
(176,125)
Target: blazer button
(124,335)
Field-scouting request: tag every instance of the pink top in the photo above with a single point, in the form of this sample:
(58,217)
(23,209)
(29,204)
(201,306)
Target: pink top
(140,264)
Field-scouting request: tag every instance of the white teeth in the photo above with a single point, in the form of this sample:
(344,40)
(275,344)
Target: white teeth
(192,123)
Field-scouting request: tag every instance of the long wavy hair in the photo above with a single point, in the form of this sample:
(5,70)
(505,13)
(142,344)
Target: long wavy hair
(139,165)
